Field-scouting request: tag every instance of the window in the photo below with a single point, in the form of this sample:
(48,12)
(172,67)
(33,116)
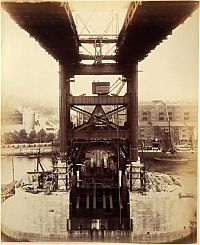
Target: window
(170,115)
(161,116)
(149,116)
(144,116)
(166,130)
(142,132)
(186,116)
(176,131)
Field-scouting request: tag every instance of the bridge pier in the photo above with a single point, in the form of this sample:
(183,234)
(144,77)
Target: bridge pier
(132,112)
(64,110)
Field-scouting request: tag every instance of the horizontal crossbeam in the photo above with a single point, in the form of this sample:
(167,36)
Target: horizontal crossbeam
(98,40)
(99,134)
(97,69)
(98,100)
(90,57)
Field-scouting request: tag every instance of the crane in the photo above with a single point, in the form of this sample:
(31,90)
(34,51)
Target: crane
(119,82)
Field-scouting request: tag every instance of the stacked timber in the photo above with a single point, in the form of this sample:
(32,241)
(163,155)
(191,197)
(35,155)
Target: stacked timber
(8,190)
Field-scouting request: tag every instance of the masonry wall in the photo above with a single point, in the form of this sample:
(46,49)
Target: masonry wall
(161,217)
(158,217)
(30,217)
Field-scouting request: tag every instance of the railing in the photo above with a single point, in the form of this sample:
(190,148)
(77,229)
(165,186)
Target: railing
(131,11)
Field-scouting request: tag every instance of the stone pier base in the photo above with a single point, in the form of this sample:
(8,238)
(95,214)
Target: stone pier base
(161,217)
(35,217)
(156,218)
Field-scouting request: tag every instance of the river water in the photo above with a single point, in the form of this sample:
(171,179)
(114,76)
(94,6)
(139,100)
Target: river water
(185,172)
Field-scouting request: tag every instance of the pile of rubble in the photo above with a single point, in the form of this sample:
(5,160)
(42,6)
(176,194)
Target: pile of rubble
(158,182)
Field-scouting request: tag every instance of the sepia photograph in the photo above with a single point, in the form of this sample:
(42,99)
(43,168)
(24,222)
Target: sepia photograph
(99,121)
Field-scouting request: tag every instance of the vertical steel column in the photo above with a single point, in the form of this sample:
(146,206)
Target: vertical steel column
(87,201)
(132,90)
(104,200)
(94,198)
(78,201)
(64,111)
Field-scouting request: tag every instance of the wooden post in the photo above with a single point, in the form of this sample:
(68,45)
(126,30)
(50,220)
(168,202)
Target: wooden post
(13,170)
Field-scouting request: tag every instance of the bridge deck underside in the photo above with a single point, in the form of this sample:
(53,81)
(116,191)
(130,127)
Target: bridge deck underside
(151,23)
(51,24)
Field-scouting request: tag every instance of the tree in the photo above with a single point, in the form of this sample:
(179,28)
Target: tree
(32,136)
(58,134)
(50,137)
(23,136)
(11,137)
(8,138)
(41,135)
(16,137)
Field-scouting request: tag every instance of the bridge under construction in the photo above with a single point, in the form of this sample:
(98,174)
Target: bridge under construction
(99,159)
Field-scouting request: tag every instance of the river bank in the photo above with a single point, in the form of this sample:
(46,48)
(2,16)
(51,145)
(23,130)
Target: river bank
(26,150)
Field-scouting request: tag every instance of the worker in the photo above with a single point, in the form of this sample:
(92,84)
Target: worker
(112,168)
(105,164)
(92,165)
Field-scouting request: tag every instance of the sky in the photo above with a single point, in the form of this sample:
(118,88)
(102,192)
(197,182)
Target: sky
(170,72)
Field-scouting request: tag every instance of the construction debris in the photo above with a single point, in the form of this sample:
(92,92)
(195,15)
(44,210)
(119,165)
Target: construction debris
(158,182)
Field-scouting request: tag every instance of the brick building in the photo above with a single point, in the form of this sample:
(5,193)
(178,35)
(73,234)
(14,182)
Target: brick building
(157,118)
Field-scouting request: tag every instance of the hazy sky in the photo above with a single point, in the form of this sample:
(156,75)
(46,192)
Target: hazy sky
(170,72)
